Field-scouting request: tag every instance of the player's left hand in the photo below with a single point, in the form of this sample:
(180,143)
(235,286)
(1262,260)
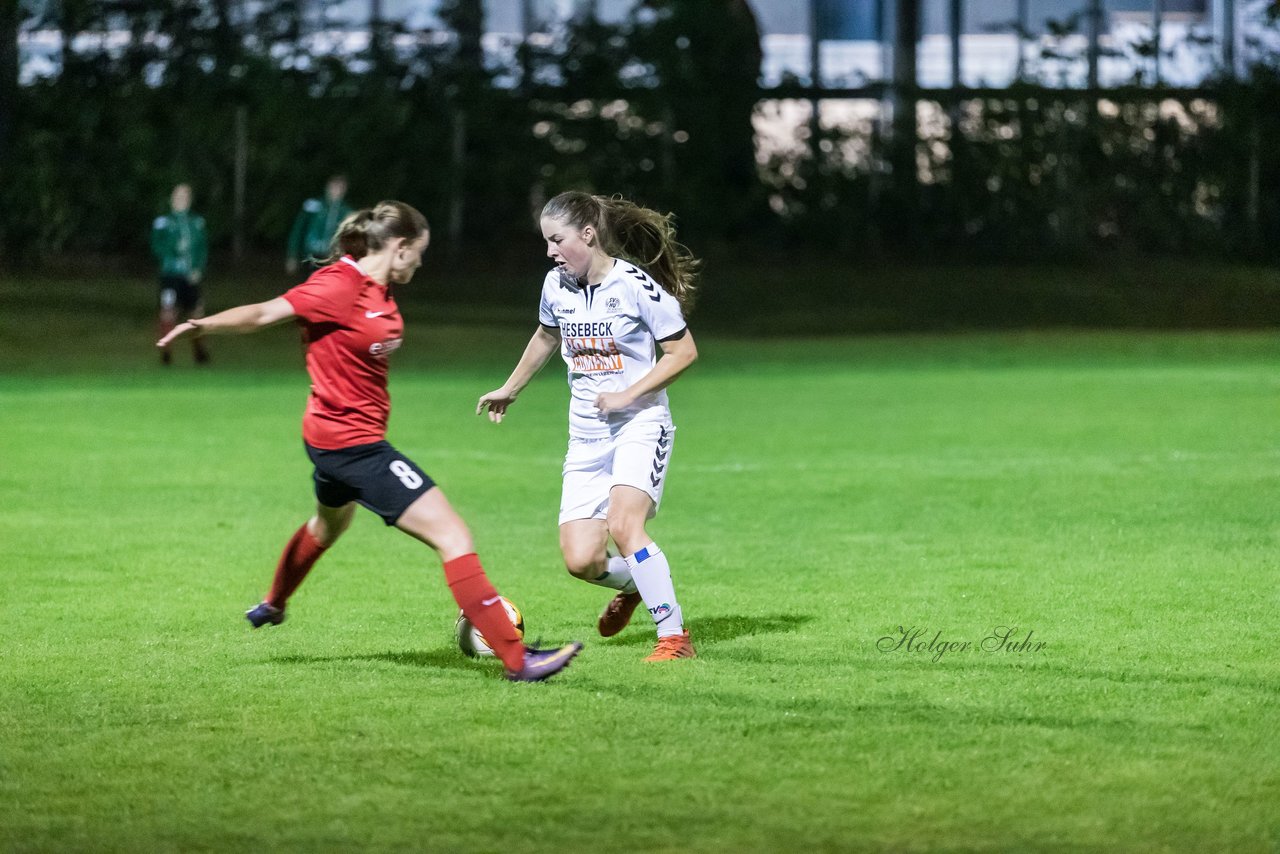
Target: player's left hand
(612,401)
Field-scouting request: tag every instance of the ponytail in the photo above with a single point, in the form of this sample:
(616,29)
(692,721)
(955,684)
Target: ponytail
(370,229)
(634,233)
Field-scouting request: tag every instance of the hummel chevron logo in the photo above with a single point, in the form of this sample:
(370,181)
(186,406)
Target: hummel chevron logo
(646,283)
(660,454)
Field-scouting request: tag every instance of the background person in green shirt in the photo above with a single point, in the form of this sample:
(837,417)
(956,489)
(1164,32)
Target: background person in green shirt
(181,245)
(316,223)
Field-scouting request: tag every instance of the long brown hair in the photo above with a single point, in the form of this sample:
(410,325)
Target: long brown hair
(368,230)
(637,234)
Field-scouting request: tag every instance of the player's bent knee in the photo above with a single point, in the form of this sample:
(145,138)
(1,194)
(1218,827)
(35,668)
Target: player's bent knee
(456,545)
(451,541)
(325,536)
(433,521)
(584,566)
(628,532)
(330,524)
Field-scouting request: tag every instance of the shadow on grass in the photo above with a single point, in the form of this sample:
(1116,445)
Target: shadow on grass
(705,630)
(447,658)
(721,628)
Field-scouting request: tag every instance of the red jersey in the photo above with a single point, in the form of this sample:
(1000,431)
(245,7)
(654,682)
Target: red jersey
(350,324)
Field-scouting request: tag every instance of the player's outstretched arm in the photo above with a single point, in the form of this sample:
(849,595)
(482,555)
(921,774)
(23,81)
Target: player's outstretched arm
(543,343)
(241,319)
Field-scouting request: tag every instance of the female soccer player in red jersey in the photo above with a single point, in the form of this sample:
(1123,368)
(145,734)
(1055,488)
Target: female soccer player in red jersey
(608,318)
(351,325)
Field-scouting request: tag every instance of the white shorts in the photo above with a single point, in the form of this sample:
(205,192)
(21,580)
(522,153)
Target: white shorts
(638,455)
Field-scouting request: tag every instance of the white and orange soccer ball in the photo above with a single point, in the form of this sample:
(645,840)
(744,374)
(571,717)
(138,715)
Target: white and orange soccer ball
(473,644)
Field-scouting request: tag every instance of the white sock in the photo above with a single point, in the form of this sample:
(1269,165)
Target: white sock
(652,576)
(617,576)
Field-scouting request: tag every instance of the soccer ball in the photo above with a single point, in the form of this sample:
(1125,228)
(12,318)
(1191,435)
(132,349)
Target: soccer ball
(473,644)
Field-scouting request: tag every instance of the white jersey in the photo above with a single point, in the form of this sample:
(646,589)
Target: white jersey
(609,334)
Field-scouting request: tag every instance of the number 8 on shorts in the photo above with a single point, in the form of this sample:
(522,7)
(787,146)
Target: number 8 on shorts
(410,478)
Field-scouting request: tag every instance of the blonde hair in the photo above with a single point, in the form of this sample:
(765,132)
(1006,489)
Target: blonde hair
(369,230)
(637,234)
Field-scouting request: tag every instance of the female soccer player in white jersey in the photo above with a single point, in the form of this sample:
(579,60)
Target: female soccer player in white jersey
(608,317)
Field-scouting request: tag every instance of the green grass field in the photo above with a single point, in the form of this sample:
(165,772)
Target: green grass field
(1114,495)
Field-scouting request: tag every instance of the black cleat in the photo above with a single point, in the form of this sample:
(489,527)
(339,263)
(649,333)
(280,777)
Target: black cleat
(262,614)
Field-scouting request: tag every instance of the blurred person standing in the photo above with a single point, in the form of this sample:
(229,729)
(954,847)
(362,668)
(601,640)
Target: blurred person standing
(351,325)
(315,225)
(180,243)
(609,318)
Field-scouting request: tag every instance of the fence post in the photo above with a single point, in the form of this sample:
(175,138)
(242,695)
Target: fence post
(241,173)
(457,181)
(957,25)
(905,82)
(815,78)
(9,19)
(1094,17)
(1024,29)
(1254,190)
(1157,25)
(526,28)
(1229,37)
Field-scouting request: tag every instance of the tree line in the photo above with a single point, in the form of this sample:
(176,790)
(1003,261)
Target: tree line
(659,107)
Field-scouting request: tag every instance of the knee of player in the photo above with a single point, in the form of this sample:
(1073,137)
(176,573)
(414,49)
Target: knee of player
(324,536)
(627,530)
(456,540)
(584,565)
(327,531)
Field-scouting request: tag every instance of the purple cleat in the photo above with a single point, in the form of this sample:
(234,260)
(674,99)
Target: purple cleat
(540,664)
(262,614)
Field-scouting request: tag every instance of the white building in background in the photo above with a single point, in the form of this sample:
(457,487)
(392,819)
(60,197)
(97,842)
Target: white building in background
(853,36)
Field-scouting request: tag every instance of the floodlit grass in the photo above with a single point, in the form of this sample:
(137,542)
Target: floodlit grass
(1114,496)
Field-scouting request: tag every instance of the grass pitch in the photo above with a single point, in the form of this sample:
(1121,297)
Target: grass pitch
(843,517)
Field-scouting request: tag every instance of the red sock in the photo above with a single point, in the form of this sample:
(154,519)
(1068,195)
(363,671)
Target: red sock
(479,602)
(299,556)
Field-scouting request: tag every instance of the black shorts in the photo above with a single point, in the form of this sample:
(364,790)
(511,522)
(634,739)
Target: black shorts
(178,292)
(376,476)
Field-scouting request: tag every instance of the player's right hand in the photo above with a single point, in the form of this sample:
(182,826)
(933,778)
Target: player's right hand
(181,329)
(496,402)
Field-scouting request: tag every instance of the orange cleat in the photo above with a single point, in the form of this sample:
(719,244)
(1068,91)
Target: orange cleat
(617,614)
(672,647)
